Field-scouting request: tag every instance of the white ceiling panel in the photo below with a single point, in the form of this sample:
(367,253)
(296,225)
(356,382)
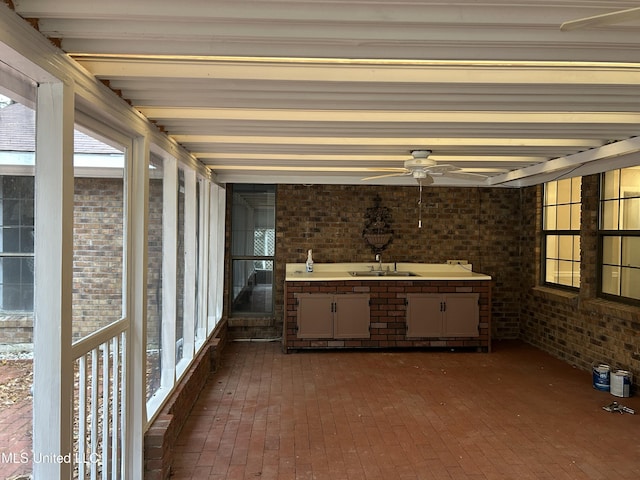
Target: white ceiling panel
(334,91)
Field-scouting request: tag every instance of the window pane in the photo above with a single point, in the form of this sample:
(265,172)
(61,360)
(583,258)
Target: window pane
(576,189)
(611,250)
(180,265)
(564,217)
(630,214)
(551,193)
(611,185)
(98,234)
(17,284)
(576,274)
(565,250)
(17,240)
(631,251)
(550,218)
(609,219)
(253,210)
(564,191)
(611,280)
(575,216)
(154,276)
(565,272)
(252,286)
(552,271)
(630,182)
(253,235)
(552,246)
(630,283)
(198,324)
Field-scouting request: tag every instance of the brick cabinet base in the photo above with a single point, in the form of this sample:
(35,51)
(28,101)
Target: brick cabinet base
(388,313)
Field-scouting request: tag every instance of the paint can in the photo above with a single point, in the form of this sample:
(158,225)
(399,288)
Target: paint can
(601,377)
(621,383)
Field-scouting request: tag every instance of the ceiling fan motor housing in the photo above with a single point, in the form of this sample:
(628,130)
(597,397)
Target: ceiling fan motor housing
(418,163)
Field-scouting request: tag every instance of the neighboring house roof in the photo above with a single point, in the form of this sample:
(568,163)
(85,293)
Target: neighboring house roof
(18,133)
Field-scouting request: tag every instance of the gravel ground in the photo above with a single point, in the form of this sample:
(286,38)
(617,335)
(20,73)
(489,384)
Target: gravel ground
(16,381)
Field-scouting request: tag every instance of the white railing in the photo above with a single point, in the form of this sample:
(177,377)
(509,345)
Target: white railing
(99,414)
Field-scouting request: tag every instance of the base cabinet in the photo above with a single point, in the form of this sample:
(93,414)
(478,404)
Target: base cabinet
(443,315)
(387,314)
(333,316)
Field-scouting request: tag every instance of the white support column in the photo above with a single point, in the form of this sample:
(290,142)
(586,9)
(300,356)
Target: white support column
(191,257)
(203,269)
(138,208)
(53,365)
(169,267)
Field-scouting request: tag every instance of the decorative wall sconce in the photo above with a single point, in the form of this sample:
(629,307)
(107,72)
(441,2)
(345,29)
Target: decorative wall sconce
(377,232)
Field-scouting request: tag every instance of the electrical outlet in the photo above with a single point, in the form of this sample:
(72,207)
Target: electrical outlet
(457,262)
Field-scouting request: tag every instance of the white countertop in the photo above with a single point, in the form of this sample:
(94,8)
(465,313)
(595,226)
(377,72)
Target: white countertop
(340,271)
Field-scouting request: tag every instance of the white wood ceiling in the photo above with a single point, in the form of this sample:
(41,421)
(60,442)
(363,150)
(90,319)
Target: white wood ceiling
(297,91)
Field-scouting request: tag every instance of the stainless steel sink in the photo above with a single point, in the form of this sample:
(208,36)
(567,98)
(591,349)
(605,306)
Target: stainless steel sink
(368,273)
(382,273)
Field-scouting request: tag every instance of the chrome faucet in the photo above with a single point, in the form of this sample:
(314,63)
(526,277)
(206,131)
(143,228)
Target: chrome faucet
(379,260)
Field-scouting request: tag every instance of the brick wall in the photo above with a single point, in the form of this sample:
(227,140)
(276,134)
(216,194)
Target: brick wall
(97,267)
(481,225)
(576,327)
(98,254)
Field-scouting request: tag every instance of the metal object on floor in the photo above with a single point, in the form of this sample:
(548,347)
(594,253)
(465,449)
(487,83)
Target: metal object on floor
(616,407)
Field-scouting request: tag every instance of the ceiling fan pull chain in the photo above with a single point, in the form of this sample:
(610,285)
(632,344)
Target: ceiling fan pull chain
(420,205)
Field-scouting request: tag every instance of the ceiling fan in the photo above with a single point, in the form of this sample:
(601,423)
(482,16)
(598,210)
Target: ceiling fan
(611,18)
(423,169)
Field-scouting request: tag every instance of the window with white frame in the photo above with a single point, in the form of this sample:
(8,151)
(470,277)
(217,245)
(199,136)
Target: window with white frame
(17,139)
(561,232)
(252,249)
(619,234)
(16,243)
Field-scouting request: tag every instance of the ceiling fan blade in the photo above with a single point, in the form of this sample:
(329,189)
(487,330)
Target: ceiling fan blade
(465,176)
(604,19)
(441,168)
(399,174)
(388,169)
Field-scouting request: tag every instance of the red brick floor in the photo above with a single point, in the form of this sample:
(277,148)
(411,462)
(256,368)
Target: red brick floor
(15,419)
(516,413)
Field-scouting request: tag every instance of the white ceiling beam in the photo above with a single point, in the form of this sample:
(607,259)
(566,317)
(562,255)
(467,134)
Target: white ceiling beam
(494,13)
(561,165)
(363,70)
(373,116)
(305,157)
(390,141)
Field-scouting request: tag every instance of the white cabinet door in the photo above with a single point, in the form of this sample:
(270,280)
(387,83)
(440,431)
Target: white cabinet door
(442,315)
(461,315)
(424,315)
(333,316)
(351,316)
(315,315)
